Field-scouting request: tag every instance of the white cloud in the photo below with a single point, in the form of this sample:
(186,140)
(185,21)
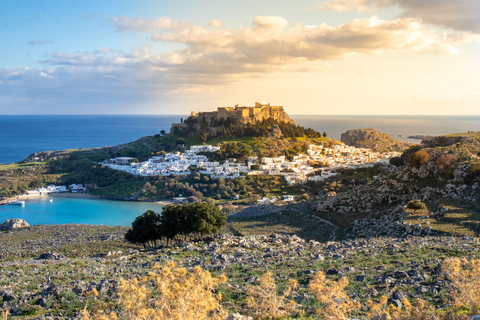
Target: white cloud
(224,55)
(215,23)
(463,15)
(129,24)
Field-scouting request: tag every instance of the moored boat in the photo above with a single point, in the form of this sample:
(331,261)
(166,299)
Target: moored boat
(17,203)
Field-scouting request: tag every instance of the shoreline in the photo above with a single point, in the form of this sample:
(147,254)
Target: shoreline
(77,196)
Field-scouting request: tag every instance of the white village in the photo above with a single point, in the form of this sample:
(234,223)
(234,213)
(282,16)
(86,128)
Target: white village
(317,164)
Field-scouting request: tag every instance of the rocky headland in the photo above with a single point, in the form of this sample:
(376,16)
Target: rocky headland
(372,139)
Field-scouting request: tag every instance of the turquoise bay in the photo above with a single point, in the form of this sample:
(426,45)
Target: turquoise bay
(76,210)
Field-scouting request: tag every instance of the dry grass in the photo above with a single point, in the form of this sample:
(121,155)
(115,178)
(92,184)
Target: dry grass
(178,295)
(264,303)
(336,304)
(5,314)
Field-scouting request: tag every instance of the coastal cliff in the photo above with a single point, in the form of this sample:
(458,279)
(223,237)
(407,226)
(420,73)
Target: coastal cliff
(372,139)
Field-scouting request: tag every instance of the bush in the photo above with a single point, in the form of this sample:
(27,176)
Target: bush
(329,294)
(397,161)
(416,205)
(264,303)
(419,158)
(475,169)
(411,150)
(445,161)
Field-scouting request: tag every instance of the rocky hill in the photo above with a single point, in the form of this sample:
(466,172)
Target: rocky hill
(372,139)
(447,140)
(447,182)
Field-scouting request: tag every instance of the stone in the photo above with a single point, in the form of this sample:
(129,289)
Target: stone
(399,295)
(12,224)
(275,132)
(51,256)
(8,296)
(237,316)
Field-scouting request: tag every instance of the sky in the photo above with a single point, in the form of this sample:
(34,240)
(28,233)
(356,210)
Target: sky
(341,57)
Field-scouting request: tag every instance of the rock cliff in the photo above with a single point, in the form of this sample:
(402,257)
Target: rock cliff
(372,139)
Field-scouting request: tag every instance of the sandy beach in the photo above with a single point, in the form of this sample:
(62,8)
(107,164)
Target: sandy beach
(74,195)
(164,202)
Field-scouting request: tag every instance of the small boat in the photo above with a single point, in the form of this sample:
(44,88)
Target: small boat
(17,203)
(51,200)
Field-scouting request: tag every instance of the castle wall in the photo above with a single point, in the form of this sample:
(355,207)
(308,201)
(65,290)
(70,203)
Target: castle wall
(243,115)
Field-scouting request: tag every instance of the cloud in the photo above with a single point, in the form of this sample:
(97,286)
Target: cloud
(210,55)
(462,15)
(270,46)
(215,23)
(129,24)
(40,42)
(222,55)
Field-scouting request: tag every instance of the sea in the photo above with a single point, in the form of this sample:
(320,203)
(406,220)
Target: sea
(22,135)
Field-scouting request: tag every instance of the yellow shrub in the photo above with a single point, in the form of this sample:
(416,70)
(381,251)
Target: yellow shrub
(179,296)
(465,281)
(336,304)
(5,314)
(263,302)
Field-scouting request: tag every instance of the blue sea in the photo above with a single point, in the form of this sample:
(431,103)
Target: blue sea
(21,135)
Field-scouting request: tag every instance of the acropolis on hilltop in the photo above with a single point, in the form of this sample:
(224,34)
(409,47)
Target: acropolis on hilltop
(240,115)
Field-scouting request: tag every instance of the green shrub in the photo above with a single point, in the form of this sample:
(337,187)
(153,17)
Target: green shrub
(396,161)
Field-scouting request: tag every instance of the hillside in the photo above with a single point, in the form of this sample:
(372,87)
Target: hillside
(49,271)
(448,183)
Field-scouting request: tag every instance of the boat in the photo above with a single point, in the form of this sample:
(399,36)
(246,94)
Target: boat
(51,200)
(17,203)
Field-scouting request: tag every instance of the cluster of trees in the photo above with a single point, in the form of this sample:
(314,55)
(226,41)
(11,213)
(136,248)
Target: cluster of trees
(199,186)
(176,222)
(289,130)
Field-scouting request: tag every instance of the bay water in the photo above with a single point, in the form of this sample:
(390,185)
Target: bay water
(77,210)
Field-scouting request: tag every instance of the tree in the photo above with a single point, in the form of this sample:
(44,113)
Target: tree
(419,158)
(324,134)
(162,132)
(145,229)
(206,218)
(199,219)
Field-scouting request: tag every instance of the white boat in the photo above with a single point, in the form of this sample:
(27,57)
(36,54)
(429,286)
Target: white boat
(17,203)
(51,200)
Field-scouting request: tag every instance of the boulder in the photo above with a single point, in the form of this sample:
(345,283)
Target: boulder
(11,224)
(275,132)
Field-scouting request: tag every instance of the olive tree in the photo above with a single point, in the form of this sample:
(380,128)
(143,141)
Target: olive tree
(145,229)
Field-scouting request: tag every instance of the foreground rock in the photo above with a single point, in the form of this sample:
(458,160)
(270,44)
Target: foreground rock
(372,139)
(11,224)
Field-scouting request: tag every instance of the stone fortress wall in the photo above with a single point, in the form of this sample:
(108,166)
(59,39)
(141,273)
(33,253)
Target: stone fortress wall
(241,115)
